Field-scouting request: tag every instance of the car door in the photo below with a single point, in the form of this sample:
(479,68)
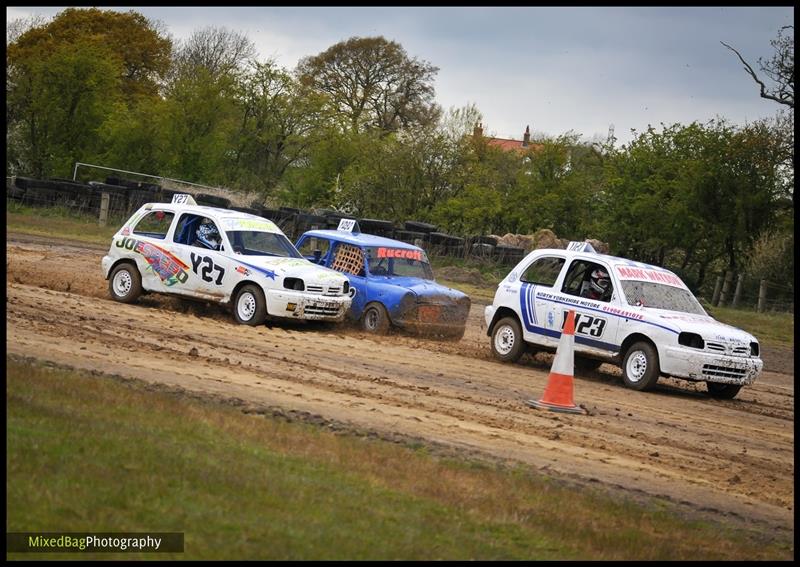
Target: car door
(148,245)
(209,267)
(536,296)
(350,260)
(595,324)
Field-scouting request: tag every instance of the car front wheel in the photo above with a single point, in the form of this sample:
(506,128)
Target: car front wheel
(640,368)
(249,307)
(375,320)
(125,283)
(722,391)
(507,342)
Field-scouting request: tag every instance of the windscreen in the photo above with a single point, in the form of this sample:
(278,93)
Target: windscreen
(661,296)
(257,243)
(398,262)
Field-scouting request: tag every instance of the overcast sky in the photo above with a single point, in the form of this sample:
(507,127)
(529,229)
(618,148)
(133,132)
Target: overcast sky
(555,69)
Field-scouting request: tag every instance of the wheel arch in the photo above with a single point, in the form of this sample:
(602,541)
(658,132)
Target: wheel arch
(130,261)
(499,313)
(240,285)
(635,338)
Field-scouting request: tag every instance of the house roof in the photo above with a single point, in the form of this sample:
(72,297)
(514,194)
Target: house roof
(510,145)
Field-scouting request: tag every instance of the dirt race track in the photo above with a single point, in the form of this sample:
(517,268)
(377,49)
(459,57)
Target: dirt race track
(728,459)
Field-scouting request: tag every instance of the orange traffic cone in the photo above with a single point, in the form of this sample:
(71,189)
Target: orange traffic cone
(558,393)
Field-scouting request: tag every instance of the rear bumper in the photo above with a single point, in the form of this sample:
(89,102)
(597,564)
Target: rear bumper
(306,306)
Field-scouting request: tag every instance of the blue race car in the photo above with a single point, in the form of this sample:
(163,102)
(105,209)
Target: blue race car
(393,281)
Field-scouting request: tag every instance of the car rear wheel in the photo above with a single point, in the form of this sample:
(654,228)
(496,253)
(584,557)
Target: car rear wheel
(249,307)
(375,320)
(722,391)
(640,369)
(507,342)
(125,283)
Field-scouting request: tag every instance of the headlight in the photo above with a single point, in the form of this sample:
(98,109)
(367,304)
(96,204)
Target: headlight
(754,349)
(692,340)
(294,283)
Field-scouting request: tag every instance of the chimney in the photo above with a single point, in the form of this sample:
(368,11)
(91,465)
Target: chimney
(478,131)
(526,139)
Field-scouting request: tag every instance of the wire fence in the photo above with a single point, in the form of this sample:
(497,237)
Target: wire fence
(741,290)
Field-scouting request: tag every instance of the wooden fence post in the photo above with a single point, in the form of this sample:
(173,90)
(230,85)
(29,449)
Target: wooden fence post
(737,295)
(717,289)
(726,288)
(104,201)
(762,296)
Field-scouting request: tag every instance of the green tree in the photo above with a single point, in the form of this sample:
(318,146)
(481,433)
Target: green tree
(372,83)
(57,106)
(142,48)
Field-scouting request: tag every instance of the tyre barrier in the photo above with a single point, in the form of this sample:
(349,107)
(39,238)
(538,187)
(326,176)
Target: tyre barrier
(290,210)
(484,240)
(272,214)
(415,226)
(118,198)
(212,201)
(122,182)
(166,195)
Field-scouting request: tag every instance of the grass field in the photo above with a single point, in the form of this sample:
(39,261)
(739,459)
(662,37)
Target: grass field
(770,328)
(91,452)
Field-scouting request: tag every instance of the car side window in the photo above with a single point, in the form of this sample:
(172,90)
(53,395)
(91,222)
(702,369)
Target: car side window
(154,224)
(543,271)
(313,245)
(199,231)
(588,279)
(348,259)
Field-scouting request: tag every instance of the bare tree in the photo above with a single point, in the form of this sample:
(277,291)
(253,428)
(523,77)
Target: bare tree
(217,49)
(779,69)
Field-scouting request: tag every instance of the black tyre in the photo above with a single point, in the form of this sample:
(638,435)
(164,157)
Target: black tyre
(375,319)
(583,364)
(420,226)
(125,283)
(640,368)
(507,342)
(722,391)
(249,306)
(456,336)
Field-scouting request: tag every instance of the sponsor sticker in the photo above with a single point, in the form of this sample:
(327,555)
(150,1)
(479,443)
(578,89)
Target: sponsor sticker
(400,253)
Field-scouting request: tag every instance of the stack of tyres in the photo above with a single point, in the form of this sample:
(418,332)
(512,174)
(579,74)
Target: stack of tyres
(445,244)
(376,226)
(482,246)
(39,192)
(508,255)
(410,236)
(415,226)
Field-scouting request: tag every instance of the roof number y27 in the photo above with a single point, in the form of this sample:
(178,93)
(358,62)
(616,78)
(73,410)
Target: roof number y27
(586,324)
(207,267)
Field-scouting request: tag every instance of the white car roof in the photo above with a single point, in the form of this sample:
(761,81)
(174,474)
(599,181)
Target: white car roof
(216,213)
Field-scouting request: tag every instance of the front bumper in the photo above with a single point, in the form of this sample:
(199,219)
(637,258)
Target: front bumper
(692,364)
(488,315)
(105,264)
(434,319)
(307,306)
